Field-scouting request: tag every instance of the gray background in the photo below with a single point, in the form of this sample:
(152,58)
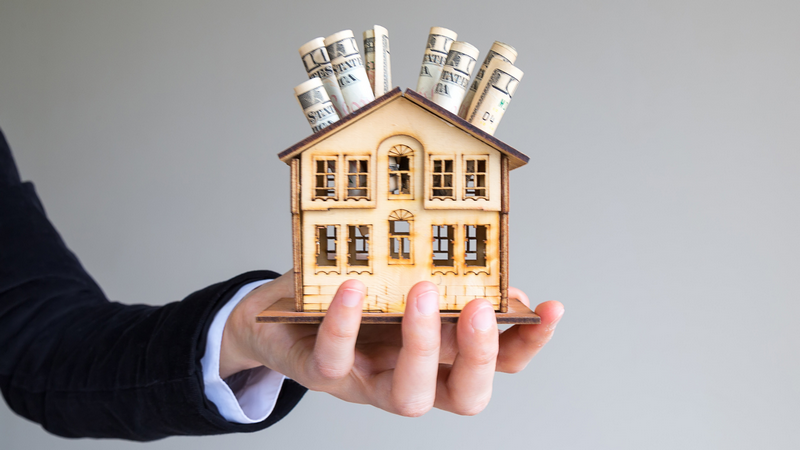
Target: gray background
(660,205)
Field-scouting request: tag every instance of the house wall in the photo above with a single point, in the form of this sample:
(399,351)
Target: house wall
(388,280)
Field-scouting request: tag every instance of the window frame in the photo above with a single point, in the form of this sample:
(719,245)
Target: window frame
(352,249)
(326,268)
(475,268)
(465,174)
(334,174)
(348,174)
(436,240)
(400,151)
(442,176)
(401,216)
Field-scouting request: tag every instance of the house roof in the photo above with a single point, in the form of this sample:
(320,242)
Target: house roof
(516,158)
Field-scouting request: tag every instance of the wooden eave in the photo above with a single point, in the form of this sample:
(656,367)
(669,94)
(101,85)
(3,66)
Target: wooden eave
(516,158)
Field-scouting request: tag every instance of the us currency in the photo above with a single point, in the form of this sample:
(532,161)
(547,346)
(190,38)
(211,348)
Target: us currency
(454,81)
(499,50)
(439,42)
(318,65)
(494,95)
(316,104)
(349,68)
(369,56)
(383,62)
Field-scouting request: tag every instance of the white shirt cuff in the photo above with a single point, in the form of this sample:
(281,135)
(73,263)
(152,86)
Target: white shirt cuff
(248,396)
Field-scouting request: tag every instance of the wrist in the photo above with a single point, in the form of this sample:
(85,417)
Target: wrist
(234,352)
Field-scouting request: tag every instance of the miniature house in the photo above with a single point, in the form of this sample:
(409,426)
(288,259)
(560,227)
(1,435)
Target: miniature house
(398,192)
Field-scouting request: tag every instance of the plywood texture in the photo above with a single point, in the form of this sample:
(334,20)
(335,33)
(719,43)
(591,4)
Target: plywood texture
(283,312)
(331,217)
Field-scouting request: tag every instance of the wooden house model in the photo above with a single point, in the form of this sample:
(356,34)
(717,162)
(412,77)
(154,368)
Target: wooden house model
(398,192)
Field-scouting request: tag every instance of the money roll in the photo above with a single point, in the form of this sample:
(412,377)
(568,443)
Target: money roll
(349,68)
(454,81)
(383,62)
(369,56)
(439,42)
(316,104)
(494,95)
(318,65)
(499,50)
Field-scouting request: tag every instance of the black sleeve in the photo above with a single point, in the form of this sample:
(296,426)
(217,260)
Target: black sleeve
(85,367)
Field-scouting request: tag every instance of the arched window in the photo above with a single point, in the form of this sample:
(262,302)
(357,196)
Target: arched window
(401,244)
(401,160)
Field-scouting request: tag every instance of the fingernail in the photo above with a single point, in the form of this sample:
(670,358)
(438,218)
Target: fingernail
(483,319)
(428,303)
(352,297)
(553,325)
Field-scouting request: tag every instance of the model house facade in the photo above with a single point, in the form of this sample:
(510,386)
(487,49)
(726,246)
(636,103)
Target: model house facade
(397,193)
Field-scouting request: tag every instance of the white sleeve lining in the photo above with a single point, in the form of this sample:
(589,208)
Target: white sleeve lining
(251,395)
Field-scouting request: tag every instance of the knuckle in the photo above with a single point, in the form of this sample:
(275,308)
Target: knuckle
(484,358)
(423,347)
(514,367)
(339,334)
(413,409)
(327,371)
(472,409)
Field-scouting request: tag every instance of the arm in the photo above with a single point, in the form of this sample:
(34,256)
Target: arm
(83,366)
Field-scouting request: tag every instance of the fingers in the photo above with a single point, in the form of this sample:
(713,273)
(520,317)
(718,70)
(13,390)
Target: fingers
(411,386)
(468,387)
(334,350)
(520,343)
(519,295)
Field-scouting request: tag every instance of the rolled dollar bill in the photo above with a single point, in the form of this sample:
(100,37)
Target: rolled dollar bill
(383,62)
(439,42)
(369,56)
(499,50)
(454,81)
(349,67)
(316,104)
(318,65)
(494,95)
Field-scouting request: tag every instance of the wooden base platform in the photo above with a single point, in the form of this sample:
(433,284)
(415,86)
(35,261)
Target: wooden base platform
(283,311)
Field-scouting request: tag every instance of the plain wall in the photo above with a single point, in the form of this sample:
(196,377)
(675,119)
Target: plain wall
(660,204)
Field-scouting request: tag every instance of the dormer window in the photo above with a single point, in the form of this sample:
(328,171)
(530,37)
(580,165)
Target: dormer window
(400,170)
(325,178)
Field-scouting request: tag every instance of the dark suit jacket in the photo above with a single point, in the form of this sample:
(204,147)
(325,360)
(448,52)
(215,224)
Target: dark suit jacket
(81,365)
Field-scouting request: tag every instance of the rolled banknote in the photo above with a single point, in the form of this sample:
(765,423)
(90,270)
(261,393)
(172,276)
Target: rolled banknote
(316,104)
(383,62)
(369,56)
(494,94)
(318,65)
(349,67)
(454,81)
(499,50)
(439,42)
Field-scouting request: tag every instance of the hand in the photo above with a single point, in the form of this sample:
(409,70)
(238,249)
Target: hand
(404,369)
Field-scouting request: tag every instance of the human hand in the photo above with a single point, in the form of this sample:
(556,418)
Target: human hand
(405,369)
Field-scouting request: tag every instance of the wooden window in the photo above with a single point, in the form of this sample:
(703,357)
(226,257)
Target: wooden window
(325,178)
(443,245)
(358,245)
(401,245)
(400,171)
(475,177)
(475,245)
(326,245)
(442,178)
(357,177)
